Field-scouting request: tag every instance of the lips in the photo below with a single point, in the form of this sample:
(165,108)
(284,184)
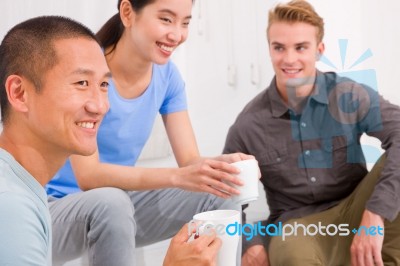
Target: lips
(291,71)
(89,125)
(166,48)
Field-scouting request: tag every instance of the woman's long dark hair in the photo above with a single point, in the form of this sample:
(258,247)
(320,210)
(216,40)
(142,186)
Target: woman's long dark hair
(112,30)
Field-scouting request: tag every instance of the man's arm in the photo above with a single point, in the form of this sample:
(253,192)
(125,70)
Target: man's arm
(383,122)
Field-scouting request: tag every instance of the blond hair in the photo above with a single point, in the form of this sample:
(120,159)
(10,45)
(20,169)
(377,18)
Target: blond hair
(297,11)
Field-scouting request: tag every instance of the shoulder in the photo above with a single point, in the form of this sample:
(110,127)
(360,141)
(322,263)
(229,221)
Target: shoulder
(166,71)
(258,105)
(25,240)
(354,82)
(252,116)
(17,206)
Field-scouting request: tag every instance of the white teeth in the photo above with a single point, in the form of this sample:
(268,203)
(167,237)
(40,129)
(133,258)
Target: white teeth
(292,71)
(166,48)
(86,124)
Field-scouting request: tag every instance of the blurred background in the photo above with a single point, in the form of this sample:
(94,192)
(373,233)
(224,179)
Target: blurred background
(225,60)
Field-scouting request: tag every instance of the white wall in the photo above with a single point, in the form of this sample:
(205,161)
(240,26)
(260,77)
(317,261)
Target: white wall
(232,33)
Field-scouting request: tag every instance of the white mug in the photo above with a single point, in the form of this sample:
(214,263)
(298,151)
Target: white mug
(219,220)
(249,173)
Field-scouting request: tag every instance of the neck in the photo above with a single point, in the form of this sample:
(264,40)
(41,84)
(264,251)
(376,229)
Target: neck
(127,65)
(295,93)
(40,162)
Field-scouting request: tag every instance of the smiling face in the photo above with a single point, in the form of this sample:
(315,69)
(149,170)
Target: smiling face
(159,28)
(294,50)
(66,113)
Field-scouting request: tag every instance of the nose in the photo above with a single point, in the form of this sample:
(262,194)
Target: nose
(177,34)
(97,102)
(290,56)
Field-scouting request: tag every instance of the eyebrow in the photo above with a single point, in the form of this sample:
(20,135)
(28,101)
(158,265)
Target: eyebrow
(296,44)
(83,71)
(172,13)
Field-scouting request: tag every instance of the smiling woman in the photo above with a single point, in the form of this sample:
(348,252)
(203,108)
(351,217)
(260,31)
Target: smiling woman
(138,43)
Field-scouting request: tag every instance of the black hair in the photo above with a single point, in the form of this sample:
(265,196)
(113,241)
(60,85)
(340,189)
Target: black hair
(28,50)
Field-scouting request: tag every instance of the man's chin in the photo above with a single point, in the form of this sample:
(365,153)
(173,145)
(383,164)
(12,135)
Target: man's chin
(87,151)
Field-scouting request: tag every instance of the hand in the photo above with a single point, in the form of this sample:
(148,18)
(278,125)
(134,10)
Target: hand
(255,256)
(366,249)
(208,175)
(234,157)
(201,251)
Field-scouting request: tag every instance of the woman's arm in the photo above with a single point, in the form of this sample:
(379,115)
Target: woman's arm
(184,146)
(195,174)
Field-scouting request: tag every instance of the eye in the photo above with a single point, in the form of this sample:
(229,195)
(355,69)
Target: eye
(186,23)
(104,86)
(300,48)
(166,20)
(278,48)
(83,83)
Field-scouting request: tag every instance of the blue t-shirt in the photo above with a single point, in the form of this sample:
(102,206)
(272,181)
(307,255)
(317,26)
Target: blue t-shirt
(128,124)
(25,224)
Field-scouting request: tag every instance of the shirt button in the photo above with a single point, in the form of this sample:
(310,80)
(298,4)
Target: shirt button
(278,159)
(313,179)
(303,124)
(307,152)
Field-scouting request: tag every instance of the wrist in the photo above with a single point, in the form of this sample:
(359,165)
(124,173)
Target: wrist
(174,177)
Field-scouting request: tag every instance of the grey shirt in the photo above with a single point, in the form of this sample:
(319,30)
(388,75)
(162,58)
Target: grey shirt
(313,159)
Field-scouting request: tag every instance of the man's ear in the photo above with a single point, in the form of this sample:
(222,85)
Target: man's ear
(321,50)
(126,13)
(16,93)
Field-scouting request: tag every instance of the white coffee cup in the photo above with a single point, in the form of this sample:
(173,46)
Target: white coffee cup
(219,220)
(249,173)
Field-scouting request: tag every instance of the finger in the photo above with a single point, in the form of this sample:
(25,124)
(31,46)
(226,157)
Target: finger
(244,156)
(219,170)
(216,192)
(378,258)
(183,235)
(354,258)
(221,186)
(360,259)
(223,166)
(205,239)
(214,247)
(223,171)
(368,259)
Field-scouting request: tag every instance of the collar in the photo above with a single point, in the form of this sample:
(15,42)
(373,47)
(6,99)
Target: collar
(279,107)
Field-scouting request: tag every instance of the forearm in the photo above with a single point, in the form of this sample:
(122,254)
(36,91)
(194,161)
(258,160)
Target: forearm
(126,177)
(385,125)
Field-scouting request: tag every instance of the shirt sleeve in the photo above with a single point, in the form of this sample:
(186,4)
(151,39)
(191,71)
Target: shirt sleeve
(175,97)
(23,240)
(234,142)
(383,122)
